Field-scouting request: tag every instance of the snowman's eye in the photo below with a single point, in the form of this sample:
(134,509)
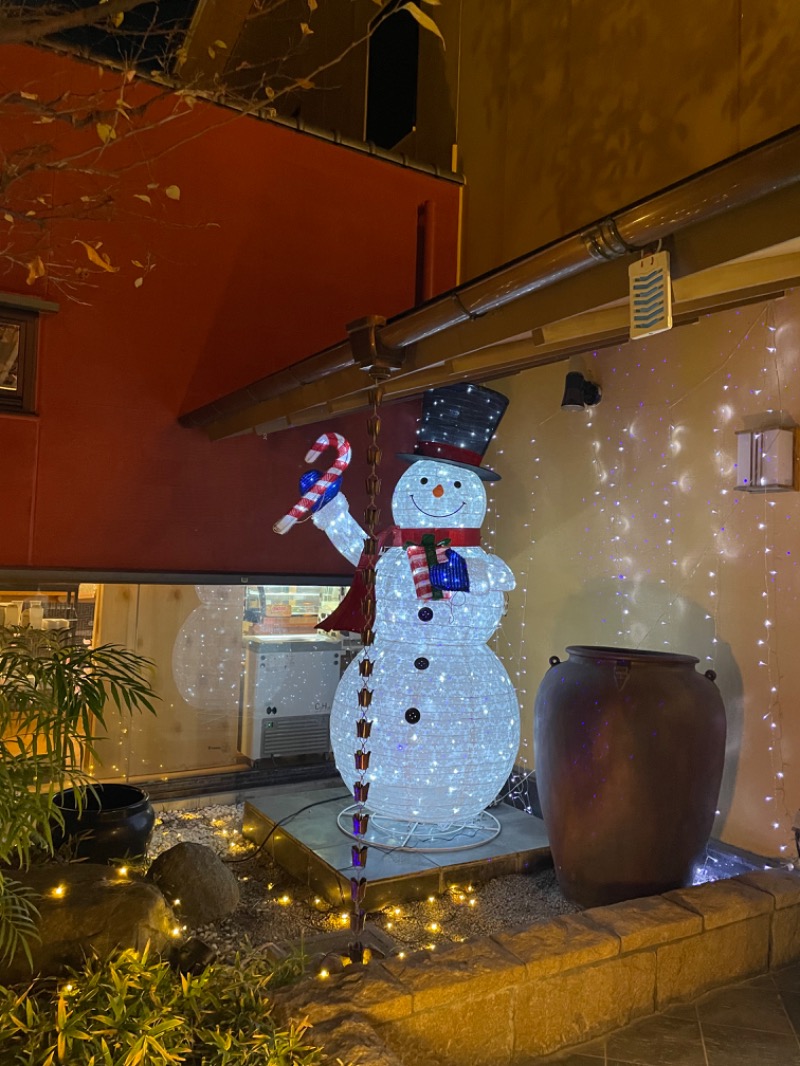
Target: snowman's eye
(423,481)
(456,484)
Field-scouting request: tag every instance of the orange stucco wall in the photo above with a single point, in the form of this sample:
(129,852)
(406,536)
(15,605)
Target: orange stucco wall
(277,241)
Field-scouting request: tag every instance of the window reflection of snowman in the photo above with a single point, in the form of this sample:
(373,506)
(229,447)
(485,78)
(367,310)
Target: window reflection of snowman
(207,654)
(445,714)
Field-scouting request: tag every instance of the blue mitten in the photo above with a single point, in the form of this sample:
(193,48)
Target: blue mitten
(308,479)
(451,576)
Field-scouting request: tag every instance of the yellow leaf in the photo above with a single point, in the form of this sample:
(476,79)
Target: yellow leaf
(312,5)
(305,29)
(304,83)
(142,196)
(269,92)
(136,263)
(99,260)
(105,132)
(36,269)
(153,185)
(119,18)
(29,96)
(173,192)
(211,52)
(8,218)
(424,20)
(44,120)
(138,283)
(220,44)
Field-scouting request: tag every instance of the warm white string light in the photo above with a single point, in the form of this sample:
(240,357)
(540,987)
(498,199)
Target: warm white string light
(777,808)
(672,539)
(681,580)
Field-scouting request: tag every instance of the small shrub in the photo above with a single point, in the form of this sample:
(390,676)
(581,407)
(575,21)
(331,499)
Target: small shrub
(134,1010)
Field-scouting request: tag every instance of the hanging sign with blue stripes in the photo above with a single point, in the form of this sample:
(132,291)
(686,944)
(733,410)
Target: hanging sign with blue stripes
(650,295)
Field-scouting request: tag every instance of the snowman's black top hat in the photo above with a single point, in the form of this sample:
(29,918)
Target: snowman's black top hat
(458,421)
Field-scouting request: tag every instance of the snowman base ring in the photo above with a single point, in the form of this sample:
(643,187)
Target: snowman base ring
(401,835)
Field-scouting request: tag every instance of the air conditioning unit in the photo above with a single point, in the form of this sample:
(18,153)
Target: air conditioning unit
(289,685)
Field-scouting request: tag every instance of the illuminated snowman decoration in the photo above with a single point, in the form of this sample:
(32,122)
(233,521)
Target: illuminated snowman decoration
(445,715)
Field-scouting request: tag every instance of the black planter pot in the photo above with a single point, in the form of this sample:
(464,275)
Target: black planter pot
(115,822)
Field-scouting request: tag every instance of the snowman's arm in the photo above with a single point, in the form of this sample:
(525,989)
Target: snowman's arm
(489,574)
(342,530)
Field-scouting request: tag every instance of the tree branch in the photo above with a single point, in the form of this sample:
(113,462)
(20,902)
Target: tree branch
(20,31)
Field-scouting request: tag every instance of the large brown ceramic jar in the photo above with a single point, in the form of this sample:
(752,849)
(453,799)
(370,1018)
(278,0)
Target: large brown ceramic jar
(630,748)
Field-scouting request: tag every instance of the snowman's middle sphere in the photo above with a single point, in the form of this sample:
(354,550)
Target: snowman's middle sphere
(444,735)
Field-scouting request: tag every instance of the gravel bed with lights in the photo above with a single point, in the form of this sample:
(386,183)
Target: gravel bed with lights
(275,909)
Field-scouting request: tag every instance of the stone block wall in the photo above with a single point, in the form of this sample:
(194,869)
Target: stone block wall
(499,1000)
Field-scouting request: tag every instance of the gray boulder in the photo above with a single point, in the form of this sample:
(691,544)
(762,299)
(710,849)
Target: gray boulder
(87,909)
(194,875)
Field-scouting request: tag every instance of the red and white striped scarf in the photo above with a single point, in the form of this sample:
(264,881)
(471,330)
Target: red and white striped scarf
(420,571)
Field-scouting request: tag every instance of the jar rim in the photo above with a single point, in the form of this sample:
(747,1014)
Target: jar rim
(631,655)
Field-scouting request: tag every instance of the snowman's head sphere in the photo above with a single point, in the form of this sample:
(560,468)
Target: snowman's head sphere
(433,494)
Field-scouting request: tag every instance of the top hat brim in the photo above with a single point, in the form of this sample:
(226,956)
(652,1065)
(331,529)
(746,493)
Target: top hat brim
(482,472)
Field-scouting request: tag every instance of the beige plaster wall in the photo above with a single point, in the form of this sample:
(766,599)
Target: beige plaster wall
(623,527)
(569,110)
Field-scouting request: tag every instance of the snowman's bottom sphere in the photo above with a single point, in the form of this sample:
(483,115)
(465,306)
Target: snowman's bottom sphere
(445,730)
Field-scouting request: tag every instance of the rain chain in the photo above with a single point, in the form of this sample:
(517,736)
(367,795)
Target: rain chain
(358,885)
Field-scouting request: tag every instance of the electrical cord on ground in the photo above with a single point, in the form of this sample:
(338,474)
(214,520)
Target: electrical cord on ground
(282,822)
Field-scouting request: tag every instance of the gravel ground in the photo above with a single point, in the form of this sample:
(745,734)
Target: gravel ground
(274,908)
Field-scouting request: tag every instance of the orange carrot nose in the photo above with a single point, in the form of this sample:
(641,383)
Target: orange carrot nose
(438,491)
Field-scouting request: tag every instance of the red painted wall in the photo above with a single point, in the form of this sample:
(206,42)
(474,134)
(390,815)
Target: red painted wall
(278,240)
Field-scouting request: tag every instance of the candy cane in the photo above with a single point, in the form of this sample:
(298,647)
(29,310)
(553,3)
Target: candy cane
(321,485)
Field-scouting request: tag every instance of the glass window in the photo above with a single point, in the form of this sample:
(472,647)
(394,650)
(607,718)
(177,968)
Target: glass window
(18,339)
(243,678)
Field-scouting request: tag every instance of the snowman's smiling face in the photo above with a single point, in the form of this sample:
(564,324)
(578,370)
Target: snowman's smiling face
(432,493)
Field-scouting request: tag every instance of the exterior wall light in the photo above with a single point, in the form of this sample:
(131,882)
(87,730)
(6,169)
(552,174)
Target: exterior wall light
(579,393)
(765,461)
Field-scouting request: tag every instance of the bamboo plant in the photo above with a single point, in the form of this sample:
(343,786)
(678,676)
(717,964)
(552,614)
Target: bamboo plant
(54,696)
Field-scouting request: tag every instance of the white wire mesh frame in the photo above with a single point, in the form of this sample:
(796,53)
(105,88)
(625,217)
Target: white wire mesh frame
(403,835)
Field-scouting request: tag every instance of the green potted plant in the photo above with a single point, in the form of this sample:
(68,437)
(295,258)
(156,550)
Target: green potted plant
(53,700)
